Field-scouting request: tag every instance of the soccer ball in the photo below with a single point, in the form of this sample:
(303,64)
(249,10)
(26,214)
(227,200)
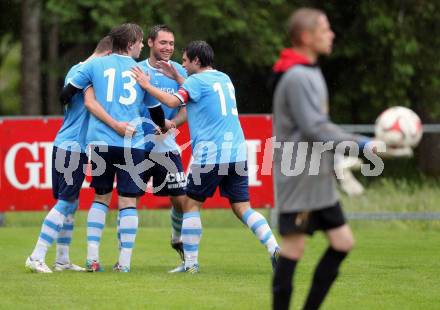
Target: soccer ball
(399,127)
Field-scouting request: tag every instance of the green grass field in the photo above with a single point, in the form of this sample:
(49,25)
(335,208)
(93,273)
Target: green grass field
(392,267)
(395,264)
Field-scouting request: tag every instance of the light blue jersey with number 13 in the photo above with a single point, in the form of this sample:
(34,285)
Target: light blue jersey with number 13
(118,93)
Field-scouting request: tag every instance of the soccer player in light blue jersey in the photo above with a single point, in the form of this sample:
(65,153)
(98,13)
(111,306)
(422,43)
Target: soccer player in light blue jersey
(123,157)
(169,179)
(68,160)
(219,148)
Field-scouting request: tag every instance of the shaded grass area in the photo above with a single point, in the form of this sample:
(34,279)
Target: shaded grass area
(415,193)
(418,194)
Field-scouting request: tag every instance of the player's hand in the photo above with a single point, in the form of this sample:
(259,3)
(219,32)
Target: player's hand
(349,184)
(168,69)
(169,126)
(397,152)
(141,77)
(386,151)
(124,129)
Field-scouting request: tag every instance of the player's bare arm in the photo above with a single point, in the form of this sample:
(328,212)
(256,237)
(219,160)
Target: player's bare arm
(143,80)
(94,107)
(180,117)
(170,71)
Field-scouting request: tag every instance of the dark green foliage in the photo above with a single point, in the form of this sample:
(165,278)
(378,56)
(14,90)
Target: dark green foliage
(385,51)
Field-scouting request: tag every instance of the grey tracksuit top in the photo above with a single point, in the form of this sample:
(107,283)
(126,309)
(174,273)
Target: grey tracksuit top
(300,122)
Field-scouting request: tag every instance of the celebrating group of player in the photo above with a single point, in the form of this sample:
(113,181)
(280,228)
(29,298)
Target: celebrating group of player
(125,114)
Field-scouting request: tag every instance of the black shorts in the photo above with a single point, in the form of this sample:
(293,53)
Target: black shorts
(169,177)
(119,162)
(307,222)
(67,173)
(231,178)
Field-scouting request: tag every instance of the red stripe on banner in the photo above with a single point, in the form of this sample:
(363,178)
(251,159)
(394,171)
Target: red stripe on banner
(26,150)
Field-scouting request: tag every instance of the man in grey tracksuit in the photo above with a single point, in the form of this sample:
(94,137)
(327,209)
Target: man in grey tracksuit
(305,185)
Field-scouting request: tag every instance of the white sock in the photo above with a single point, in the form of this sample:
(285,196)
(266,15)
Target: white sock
(128,228)
(259,226)
(95,225)
(191,235)
(49,230)
(176,225)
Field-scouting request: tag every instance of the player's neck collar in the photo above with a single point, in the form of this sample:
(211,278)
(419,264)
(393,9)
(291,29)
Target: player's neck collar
(128,56)
(207,70)
(147,61)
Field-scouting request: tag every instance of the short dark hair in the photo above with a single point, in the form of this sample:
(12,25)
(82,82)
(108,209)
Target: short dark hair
(202,50)
(125,34)
(155,30)
(105,44)
(303,19)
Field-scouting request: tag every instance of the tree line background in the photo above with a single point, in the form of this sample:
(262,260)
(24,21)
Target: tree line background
(385,53)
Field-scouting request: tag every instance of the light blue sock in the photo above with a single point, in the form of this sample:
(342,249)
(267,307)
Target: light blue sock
(128,229)
(176,225)
(65,235)
(95,225)
(191,235)
(118,231)
(49,230)
(259,226)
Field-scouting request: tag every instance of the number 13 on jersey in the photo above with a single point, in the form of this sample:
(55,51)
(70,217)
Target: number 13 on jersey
(110,74)
(218,88)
